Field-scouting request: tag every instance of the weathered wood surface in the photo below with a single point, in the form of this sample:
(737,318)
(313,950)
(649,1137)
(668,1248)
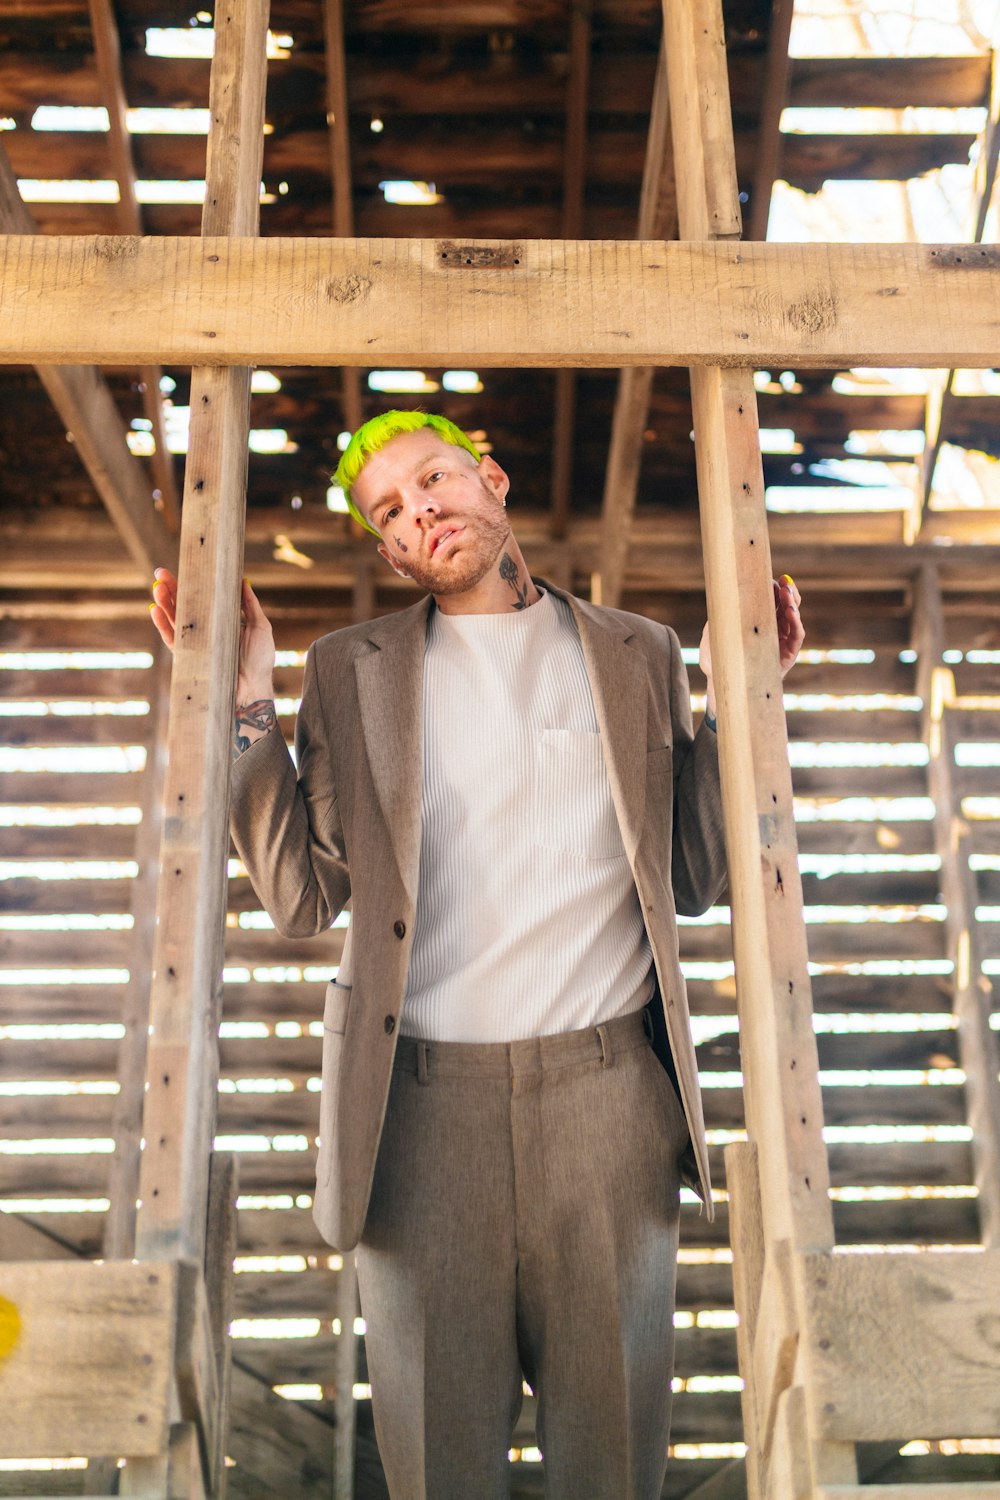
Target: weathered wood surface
(900,1344)
(88,1355)
(219,302)
(185,999)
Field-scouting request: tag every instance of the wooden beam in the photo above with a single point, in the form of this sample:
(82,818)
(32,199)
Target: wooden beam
(186,996)
(107,51)
(782,1096)
(123,1186)
(337,119)
(941,399)
(777,73)
(81,396)
(574,191)
(223,301)
(657,220)
(971,990)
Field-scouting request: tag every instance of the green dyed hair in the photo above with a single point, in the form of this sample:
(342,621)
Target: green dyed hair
(378,431)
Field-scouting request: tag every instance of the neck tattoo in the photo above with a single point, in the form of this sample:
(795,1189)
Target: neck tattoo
(511,573)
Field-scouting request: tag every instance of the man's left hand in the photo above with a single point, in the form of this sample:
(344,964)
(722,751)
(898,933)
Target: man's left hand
(791,633)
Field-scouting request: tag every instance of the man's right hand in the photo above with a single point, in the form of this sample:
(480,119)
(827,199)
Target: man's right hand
(255,680)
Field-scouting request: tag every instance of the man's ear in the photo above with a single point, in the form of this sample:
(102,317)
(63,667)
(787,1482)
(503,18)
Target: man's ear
(494,476)
(396,567)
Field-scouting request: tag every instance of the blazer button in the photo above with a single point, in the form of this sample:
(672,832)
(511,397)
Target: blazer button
(399,928)
(390,1025)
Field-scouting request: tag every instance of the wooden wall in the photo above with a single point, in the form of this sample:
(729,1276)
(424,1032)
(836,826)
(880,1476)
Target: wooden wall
(887,1043)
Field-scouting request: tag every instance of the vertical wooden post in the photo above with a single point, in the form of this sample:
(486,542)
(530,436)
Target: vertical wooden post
(123,1191)
(784,1112)
(345,1375)
(182,1069)
(780,1064)
(971,991)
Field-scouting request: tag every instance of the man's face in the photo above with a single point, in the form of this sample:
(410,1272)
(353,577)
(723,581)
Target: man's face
(439,514)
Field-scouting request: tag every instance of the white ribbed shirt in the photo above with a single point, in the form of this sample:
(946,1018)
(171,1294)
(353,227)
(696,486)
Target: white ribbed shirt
(528,920)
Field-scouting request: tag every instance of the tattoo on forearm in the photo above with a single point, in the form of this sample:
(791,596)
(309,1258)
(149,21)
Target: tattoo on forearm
(260,715)
(511,573)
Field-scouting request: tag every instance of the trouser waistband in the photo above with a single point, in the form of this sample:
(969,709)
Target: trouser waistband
(430,1060)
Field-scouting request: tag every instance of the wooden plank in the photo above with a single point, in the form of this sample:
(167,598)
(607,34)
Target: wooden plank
(338,136)
(902,1344)
(657,220)
(107,53)
(777,75)
(220,1250)
(926,1490)
(775,1346)
(81,397)
(88,1353)
(196,1365)
(573,196)
(280,1448)
(345,1374)
(123,1187)
(977,1042)
(182,1065)
(218,301)
(743,1182)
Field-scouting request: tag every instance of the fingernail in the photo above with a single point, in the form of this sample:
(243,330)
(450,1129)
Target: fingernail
(787,578)
(152,607)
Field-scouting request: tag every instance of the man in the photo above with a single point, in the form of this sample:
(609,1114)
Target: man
(504,782)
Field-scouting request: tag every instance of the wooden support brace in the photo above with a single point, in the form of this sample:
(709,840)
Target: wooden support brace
(775,1343)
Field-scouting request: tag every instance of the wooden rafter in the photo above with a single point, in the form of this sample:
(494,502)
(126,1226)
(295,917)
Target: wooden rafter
(81,396)
(941,399)
(337,120)
(574,190)
(777,74)
(657,221)
(107,50)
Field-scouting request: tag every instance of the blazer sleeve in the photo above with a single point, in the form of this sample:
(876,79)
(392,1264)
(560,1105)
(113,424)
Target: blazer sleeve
(287,827)
(698,856)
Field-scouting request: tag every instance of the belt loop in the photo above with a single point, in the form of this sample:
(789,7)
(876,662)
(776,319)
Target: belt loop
(607,1056)
(422,1051)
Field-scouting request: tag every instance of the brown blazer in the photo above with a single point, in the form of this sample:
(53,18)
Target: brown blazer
(348,827)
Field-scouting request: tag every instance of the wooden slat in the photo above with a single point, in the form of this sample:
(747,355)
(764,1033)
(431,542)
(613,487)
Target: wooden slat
(217,301)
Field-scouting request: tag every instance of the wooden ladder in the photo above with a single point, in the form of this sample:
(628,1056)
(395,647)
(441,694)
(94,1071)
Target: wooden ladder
(127,1357)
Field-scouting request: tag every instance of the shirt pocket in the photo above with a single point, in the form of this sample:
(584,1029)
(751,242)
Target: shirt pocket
(574,811)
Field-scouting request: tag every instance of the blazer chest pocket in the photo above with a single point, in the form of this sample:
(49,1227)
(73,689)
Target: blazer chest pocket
(574,810)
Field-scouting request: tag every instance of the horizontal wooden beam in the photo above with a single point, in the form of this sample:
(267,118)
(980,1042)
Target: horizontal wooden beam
(120,300)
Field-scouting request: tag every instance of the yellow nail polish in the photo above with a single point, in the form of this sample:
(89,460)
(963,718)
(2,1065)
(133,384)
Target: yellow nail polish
(787,578)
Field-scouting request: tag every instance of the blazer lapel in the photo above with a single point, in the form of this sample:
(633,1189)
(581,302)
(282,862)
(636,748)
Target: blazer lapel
(617,671)
(390,681)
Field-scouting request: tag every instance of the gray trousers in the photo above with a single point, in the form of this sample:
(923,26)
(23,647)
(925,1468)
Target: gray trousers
(524,1218)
